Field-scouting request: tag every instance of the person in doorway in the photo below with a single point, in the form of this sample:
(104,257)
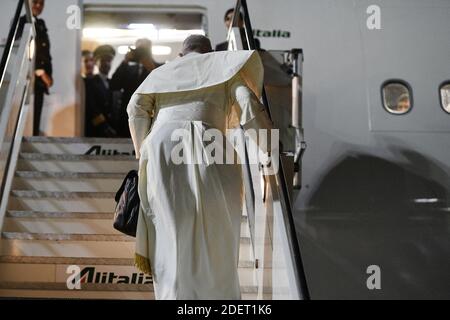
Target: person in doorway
(43,61)
(88,61)
(98,102)
(228,19)
(188,232)
(136,66)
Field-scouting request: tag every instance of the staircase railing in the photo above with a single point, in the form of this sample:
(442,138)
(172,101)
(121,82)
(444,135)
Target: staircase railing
(279,185)
(17,63)
(10,41)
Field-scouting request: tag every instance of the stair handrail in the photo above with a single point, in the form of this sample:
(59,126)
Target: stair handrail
(13,112)
(12,35)
(291,234)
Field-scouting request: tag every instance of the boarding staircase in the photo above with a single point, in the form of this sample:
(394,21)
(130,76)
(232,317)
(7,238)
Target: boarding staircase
(57,204)
(60,214)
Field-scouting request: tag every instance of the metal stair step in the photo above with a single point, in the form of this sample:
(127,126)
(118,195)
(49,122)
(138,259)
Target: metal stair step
(82,245)
(68,181)
(247,264)
(61,194)
(66,237)
(73,157)
(7,293)
(85,286)
(67,260)
(65,140)
(92,291)
(79,237)
(70,215)
(93,286)
(76,223)
(51,201)
(22,272)
(77,145)
(59,215)
(68,175)
(76,163)
(52,248)
(57,226)
(18,245)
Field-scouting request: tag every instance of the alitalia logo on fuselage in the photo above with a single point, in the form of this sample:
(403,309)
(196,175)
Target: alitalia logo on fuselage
(271,33)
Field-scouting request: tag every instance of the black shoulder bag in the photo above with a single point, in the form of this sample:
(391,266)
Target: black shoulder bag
(127,208)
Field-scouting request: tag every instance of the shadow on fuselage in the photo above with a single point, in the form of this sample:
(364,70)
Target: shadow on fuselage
(369,211)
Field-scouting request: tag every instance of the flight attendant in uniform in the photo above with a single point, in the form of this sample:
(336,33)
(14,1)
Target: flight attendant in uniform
(43,61)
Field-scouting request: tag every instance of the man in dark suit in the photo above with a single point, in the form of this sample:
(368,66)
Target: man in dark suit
(99,96)
(43,61)
(134,69)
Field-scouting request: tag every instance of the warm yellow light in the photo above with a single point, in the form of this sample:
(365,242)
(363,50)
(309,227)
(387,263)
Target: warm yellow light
(156,50)
(115,36)
(141,26)
(124,49)
(177,35)
(161,50)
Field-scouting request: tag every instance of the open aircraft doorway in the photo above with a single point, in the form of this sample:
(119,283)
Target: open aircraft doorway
(122,45)
(121,26)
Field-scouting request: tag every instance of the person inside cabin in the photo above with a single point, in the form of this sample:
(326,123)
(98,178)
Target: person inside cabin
(228,19)
(98,96)
(445,97)
(88,64)
(43,61)
(403,103)
(188,232)
(133,70)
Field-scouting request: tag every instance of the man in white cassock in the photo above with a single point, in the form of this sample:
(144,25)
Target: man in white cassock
(189,225)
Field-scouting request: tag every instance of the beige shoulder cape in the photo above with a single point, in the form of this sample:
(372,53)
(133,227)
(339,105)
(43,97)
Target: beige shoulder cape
(197,71)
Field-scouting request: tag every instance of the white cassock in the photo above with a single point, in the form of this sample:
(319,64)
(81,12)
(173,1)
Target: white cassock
(189,227)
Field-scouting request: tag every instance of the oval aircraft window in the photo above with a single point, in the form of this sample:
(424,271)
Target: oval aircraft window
(445,96)
(397,98)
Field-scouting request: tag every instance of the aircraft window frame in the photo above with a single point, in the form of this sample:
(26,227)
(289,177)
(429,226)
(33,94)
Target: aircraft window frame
(441,101)
(410,93)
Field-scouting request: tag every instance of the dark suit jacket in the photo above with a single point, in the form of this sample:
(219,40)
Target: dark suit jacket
(98,102)
(223,46)
(126,79)
(43,58)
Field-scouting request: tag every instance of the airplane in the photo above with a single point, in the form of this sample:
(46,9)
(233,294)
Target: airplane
(360,91)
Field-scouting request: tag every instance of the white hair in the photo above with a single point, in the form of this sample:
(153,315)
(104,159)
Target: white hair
(196,43)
